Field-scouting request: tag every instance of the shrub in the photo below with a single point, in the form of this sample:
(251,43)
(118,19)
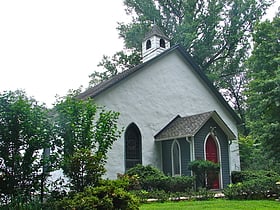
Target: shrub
(145,171)
(201,169)
(131,182)
(252,185)
(178,184)
(240,176)
(152,179)
(203,194)
(160,195)
(149,177)
(109,195)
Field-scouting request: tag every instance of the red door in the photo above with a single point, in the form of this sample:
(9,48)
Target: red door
(212,155)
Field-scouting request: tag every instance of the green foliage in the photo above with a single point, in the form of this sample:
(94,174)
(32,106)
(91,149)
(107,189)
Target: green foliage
(84,168)
(86,132)
(253,155)
(250,153)
(216,33)
(152,179)
(25,131)
(202,169)
(20,203)
(203,194)
(178,184)
(241,176)
(252,185)
(253,189)
(143,172)
(109,195)
(264,88)
(118,62)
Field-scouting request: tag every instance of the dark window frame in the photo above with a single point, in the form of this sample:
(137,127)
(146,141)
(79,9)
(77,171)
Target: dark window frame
(148,44)
(133,146)
(162,43)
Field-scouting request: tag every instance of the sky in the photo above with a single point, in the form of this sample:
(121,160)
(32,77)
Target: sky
(49,47)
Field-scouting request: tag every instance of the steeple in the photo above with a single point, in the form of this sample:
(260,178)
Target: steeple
(154,43)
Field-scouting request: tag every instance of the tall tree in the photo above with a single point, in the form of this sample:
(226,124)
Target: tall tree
(215,32)
(264,87)
(25,130)
(87,133)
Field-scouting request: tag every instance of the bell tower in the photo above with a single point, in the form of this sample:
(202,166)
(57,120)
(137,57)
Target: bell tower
(154,43)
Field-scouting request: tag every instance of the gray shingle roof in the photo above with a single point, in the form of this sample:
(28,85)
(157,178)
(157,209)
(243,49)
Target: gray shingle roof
(188,126)
(184,126)
(155,31)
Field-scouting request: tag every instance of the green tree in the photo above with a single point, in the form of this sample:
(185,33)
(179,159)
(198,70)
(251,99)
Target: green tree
(112,65)
(25,131)
(215,32)
(264,87)
(87,132)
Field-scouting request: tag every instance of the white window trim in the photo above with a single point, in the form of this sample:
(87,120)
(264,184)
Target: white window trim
(219,156)
(172,159)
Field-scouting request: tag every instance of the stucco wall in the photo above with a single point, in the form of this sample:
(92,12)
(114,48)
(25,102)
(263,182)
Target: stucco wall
(152,97)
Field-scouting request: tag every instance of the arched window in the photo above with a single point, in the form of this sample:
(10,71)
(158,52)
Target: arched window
(162,43)
(176,158)
(148,44)
(133,146)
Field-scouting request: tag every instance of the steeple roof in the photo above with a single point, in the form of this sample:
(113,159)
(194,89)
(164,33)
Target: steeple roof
(155,31)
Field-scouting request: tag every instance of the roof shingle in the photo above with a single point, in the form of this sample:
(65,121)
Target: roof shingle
(184,126)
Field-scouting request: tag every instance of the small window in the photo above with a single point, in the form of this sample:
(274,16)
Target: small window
(176,158)
(162,43)
(148,44)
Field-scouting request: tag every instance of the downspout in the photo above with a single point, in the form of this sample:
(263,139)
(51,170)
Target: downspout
(229,157)
(190,140)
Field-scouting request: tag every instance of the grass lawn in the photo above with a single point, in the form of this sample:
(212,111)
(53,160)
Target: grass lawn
(214,204)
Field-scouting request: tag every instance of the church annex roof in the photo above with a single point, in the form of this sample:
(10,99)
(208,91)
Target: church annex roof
(188,126)
(103,86)
(157,32)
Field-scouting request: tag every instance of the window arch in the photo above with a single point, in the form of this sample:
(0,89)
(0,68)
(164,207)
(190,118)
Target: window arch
(212,151)
(162,43)
(133,146)
(148,44)
(176,158)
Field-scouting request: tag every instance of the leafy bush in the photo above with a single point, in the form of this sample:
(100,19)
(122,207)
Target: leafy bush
(179,184)
(240,176)
(201,169)
(131,182)
(152,179)
(160,195)
(252,185)
(148,176)
(144,171)
(203,194)
(111,194)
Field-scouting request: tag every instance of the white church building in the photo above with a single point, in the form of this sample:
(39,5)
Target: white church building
(171,114)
